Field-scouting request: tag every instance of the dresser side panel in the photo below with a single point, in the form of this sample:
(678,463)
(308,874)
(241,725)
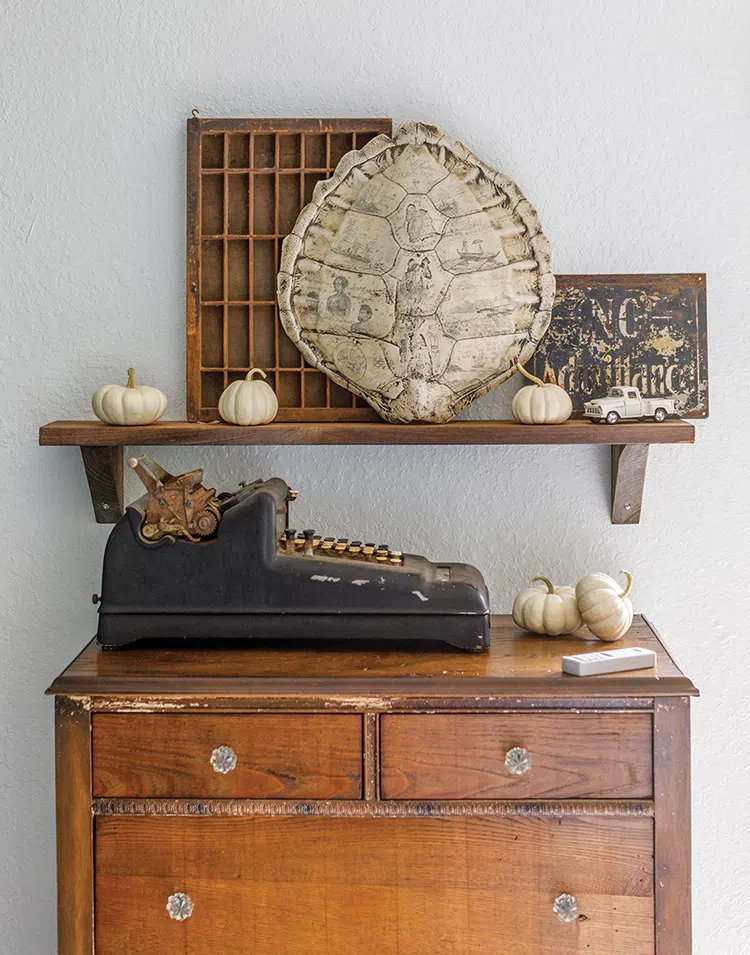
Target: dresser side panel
(75,832)
(672,836)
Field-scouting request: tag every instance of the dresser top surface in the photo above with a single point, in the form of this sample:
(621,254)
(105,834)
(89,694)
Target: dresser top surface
(517,663)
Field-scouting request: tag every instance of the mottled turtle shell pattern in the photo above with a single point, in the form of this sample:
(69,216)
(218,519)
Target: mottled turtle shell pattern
(418,276)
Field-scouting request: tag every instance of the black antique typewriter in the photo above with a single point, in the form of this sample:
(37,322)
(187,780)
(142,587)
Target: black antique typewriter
(185,563)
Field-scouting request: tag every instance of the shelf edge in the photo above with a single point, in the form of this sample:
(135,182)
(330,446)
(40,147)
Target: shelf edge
(502,432)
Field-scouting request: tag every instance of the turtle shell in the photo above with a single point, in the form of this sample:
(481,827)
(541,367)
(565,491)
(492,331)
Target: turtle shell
(418,276)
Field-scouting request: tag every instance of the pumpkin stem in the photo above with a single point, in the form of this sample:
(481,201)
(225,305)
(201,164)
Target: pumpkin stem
(527,374)
(625,592)
(255,371)
(131,378)
(550,587)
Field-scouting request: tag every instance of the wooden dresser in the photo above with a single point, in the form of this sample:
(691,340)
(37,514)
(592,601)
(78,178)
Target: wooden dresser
(302,802)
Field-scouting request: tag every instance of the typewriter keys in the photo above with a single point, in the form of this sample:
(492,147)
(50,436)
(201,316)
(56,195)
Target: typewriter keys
(309,543)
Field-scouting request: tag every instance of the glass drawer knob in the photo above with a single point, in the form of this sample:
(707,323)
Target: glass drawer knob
(566,908)
(518,761)
(180,906)
(224,759)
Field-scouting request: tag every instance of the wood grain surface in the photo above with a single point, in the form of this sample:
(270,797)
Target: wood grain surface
(448,756)
(628,466)
(374,887)
(517,665)
(192,273)
(247,181)
(459,872)
(104,474)
(75,828)
(672,827)
(278,756)
(671,431)
(283,124)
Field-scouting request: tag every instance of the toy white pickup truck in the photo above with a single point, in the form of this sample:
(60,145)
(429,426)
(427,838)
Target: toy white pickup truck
(628,403)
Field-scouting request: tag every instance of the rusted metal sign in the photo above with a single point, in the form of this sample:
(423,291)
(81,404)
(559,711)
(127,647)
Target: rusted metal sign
(647,331)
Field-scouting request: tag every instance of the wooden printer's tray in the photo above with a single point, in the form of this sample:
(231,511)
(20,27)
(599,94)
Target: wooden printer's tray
(247,181)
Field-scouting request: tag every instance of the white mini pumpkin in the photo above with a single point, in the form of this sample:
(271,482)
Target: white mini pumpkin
(605,608)
(550,613)
(129,405)
(541,403)
(249,401)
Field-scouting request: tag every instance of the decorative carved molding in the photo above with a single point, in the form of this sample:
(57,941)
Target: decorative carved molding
(343,808)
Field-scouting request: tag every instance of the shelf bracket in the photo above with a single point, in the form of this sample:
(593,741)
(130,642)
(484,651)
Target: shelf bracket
(628,477)
(105,476)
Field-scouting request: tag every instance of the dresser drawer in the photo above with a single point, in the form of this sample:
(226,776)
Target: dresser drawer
(261,756)
(517,756)
(373,886)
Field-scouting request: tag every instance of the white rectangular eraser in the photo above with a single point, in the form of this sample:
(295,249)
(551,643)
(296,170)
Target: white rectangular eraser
(609,661)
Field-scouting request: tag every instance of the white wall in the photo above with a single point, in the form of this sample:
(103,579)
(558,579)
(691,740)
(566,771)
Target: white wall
(626,125)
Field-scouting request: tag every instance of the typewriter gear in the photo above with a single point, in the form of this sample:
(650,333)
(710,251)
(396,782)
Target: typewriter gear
(176,505)
(205,522)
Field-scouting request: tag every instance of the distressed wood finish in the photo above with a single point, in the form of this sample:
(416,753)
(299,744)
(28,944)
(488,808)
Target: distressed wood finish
(374,886)
(278,756)
(345,703)
(387,823)
(628,479)
(247,180)
(192,274)
(672,826)
(75,832)
(371,766)
(448,756)
(104,474)
(671,431)
(516,665)
(630,439)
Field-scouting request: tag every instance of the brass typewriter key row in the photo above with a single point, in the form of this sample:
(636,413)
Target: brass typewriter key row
(308,543)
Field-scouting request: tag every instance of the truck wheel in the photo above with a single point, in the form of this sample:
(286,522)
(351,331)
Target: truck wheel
(660,414)
(612,417)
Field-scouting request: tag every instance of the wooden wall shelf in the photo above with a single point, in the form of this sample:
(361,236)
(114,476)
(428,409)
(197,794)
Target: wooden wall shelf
(88,433)
(101,446)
